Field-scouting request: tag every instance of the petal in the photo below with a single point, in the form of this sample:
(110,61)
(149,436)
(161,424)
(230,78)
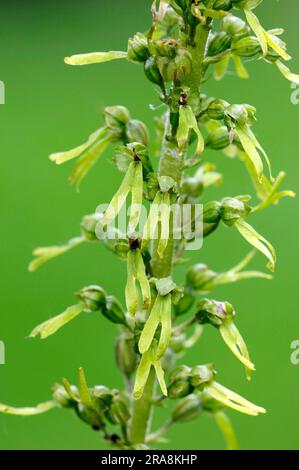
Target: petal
(258,241)
(88,159)
(28,411)
(95,57)
(143,280)
(137,192)
(165,221)
(187,122)
(165,318)
(142,374)
(50,327)
(151,325)
(61,157)
(292,77)
(46,253)
(131,293)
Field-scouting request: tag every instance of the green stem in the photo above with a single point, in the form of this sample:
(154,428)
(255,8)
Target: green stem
(142,412)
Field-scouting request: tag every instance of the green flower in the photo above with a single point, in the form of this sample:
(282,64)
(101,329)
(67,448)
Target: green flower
(202,280)
(91,299)
(138,48)
(188,409)
(221,315)
(203,378)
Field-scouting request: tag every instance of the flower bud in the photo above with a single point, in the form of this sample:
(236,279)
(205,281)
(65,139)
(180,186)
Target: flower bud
(187,409)
(165,47)
(236,113)
(116,118)
(113,311)
(233,209)
(209,404)
(88,226)
(93,298)
(198,276)
(138,48)
(126,356)
(184,304)
(235,27)
(212,312)
(272,56)
(179,388)
(216,109)
(219,43)
(211,212)
(251,112)
(218,139)
(137,132)
(224,5)
(89,416)
(192,187)
(61,396)
(152,71)
(119,246)
(180,372)
(177,68)
(202,375)
(177,342)
(118,412)
(102,396)
(247,47)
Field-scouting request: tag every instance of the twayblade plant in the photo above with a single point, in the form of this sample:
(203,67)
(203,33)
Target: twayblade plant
(188,42)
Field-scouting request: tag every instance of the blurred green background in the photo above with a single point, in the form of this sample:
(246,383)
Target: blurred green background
(49,107)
